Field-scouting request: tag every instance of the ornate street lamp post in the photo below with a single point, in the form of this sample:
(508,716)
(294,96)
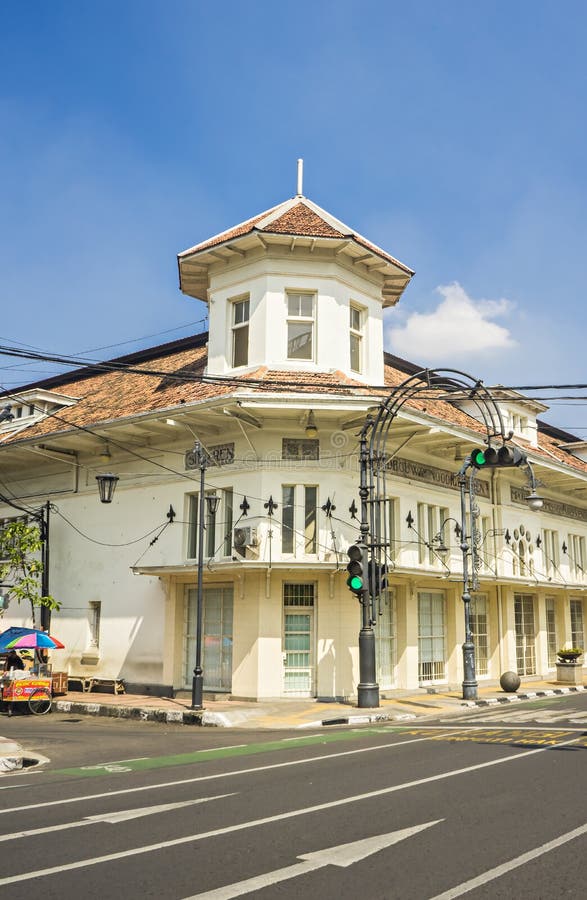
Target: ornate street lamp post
(376,464)
(490,457)
(212,502)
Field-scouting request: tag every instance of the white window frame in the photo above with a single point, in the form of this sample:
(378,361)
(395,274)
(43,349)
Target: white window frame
(480,607)
(217,528)
(299,319)
(356,333)
(94,618)
(551,631)
(437,674)
(386,640)
(576,553)
(237,328)
(430,521)
(577,613)
(303,515)
(526,658)
(550,551)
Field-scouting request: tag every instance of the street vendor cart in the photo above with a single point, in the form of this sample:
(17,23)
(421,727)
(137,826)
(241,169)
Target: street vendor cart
(32,686)
(34,690)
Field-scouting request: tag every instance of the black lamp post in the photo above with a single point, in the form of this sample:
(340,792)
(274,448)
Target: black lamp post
(368,688)
(535,503)
(212,502)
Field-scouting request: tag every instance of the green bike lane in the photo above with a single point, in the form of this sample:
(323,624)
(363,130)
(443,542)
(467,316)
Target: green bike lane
(513,736)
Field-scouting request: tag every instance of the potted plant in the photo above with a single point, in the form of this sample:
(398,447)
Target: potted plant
(568,668)
(569,654)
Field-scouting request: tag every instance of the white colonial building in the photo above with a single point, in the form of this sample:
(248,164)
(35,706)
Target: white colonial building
(276,393)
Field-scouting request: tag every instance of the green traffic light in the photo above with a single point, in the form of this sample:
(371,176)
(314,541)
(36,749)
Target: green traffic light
(478,458)
(355,583)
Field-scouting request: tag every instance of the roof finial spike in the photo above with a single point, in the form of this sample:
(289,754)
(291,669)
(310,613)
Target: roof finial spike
(300,177)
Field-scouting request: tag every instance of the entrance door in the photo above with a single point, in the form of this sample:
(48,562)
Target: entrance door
(525,634)
(298,640)
(216,637)
(431,637)
(298,653)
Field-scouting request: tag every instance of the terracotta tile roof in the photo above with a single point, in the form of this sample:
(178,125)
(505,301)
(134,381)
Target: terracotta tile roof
(231,233)
(302,221)
(298,220)
(104,397)
(275,380)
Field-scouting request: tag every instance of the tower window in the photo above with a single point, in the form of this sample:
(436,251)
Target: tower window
(240,332)
(300,326)
(356,337)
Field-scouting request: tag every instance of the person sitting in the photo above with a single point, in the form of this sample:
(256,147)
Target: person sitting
(13,661)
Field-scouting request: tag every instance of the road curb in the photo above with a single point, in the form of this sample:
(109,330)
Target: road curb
(528,695)
(136,713)
(213,719)
(359,720)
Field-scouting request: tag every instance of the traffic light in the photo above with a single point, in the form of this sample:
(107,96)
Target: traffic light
(376,574)
(355,581)
(502,457)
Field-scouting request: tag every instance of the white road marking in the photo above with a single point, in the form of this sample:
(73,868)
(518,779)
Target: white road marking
(214,749)
(267,820)
(112,818)
(544,716)
(344,855)
(198,778)
(498,871)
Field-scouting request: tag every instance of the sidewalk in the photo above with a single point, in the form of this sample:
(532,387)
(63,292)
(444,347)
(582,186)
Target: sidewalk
(278,714)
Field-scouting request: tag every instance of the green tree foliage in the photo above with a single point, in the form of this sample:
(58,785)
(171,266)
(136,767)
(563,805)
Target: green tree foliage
(20,564)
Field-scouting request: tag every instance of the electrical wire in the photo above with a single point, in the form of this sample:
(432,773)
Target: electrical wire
(58,512)
(113,365)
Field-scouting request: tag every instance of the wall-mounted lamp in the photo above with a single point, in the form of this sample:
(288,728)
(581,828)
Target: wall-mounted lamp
(104,455)
(106,486)
(311,427)
(534,501)
(212,501)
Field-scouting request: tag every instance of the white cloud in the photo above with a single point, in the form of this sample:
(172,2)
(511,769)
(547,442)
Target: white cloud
(458,327)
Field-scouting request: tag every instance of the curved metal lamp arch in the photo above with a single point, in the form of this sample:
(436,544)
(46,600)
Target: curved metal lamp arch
(448,385)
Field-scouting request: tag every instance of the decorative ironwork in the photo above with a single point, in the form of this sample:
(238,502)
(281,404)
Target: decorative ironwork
(328,508)
(270,506)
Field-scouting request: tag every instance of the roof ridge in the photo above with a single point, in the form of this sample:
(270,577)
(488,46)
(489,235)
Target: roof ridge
(215,238)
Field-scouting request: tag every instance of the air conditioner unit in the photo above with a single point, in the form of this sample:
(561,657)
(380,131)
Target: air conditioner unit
(244,538)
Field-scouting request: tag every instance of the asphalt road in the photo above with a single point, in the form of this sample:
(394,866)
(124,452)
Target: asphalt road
(489,804)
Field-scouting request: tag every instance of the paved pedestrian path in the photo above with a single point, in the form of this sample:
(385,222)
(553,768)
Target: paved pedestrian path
(397,706)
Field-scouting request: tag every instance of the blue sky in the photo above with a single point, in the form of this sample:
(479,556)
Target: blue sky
(452,134)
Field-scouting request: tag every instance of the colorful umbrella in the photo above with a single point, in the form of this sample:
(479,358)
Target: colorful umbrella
(20,638)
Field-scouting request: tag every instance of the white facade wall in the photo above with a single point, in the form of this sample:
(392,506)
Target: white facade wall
(142,635)
(267,281)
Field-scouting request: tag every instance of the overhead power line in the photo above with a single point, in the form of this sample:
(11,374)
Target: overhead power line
(79,361)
